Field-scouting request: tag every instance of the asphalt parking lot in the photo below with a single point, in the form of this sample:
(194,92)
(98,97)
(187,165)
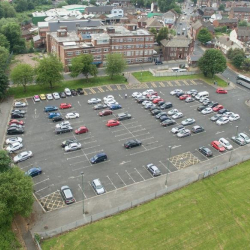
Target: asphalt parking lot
(124,166)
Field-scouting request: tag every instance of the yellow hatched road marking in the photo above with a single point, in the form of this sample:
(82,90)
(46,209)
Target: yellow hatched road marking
(170,84)
(100,88)
(85,92)
(92,90)
(109,88)
(162,84)
(185,82)
(118,87)
(177,82)
(154,85)
(192,81)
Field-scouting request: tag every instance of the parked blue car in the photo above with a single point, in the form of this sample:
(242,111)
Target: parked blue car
(34,172)
(53,114)
(50,108)
(115,106)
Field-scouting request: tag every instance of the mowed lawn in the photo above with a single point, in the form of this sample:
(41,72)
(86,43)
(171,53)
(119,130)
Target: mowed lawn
(211,214)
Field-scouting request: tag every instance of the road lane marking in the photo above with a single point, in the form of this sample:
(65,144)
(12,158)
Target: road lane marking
(41,181)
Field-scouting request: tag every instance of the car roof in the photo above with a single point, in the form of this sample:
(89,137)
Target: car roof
(97,182)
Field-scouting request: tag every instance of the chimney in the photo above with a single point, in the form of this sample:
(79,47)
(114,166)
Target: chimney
(64,28)
(62,33)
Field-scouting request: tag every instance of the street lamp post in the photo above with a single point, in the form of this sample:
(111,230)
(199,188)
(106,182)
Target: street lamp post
(237,129)
(82,195)
(170,147)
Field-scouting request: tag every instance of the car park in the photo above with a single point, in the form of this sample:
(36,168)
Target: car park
(153,169)
(177,115)
(206,151)
(217,108)
(80,91)
(34,172)
(152,97)
(160,103)
(73,147)
(94,100)
(239,140)
(73,92)
(112,123)
(154,108)
(67,92)
(149,105)
(141,99)
(174,92)
(173,111)
(222,121)
(13,140)
(14,121)
(188,121)
(123,116)
(58,119)
(225,143)
(62,94)
(49,96)
(67,195)
(18,111)
(189,99)
(161,114)
(227,114)
(36,98)
(217,145)
(14,147)
(50,108)
(207,111)
(17,115)
(146,102)
(221,91)
(111,102)
(192,91)
(197,129)
(56,95)
(108,98)
(183,133)
(234,117)
(179,94)
(245,137)
(20,104)
(65,106)
(97,186)
(63,129)
(213,104)
(177,129)
(15,131)
(200,108)
(137,94)
(53,115)
(67,142)
(105,112)
(148,91)
(132,143)
(168,122)
(222,111)
(22,156)
(215,117)
(166,105)
(72,115)
(81,130)
(164,117)
(62,124)
(100,157)
(43,97)
(115,106)
(100,106)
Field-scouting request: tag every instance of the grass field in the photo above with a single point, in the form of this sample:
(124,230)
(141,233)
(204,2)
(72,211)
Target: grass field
(211,214)
(146,76)
(32,90)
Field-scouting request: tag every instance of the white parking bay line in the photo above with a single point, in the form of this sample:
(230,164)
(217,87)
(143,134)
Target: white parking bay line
(139,173)
(138,130)
(122,134)
(146,150)
(75,163)
(75,157)
(131,123)
(129,176)
(147,138)
(121,179)
(117,130)
(201,154)
(41,189)
(82,191)
(92,147)
(151,143)
(111,182)
(164,166)
(89,142)
(94,152)
(41,181)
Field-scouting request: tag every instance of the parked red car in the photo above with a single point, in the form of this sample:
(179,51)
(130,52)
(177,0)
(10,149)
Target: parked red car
(112,123)
(221,91)
(105,112)
(184,97)
(14,121)
(217,145)
(81,130)
(158,100)
(65,105)
(217,108)
(151,94)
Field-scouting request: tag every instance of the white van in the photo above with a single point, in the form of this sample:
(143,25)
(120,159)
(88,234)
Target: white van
(201,94)
(176,69)
(182,70)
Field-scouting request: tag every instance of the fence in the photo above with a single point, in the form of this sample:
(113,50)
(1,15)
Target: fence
(156,73)
(168,189)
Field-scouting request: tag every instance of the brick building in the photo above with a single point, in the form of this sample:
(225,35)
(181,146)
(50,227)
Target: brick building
(241,13)
(229,23)
(176,48)
(135,45)
(243,34)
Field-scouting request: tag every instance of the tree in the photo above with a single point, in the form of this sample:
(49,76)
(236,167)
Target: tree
(166,5)
(243,23)
(163,34)
(4,55)
(204,36)
(212,62)
(4,41)
(115,64)
(83,64)
(222,7)
(22,74)
(5,161)
(154,32)
(172,32)
(16,195)
(21,5)
(49,70)
(238,60)
(6,10)
(93,2)
(4,84)
(246,64)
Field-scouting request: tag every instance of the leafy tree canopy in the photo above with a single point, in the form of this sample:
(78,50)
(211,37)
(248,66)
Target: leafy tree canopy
(163,34)
(5,161)
(212,62)
(204,36)
(4,55)
(4,42)
(115,64)
(6,10)
(246,64)
(4,84)
(243,23)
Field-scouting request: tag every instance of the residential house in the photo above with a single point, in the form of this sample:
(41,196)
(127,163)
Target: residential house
(195,16)
(216,16)
(224,44)
(99,10)
(243,34)
(176,48)
(195,28)
(241,13)
(232,4)
(142,22)
(229,23)
(119,2)
(169,18)
(153,23)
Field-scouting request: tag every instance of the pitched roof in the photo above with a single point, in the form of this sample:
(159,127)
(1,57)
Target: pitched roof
(99,8)
(153,22)
(233,20)
(72,25)
(197,25)
(176,43)
(243,31)
(142,19)
(241,9)
(168,14)
(208,25)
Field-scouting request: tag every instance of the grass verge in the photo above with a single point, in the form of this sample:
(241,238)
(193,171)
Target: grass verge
(32,90)
(147,76)
(210,214)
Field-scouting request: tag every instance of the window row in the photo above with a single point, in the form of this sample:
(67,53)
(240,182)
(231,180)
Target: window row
(140,39)
(180,49)
(137,46)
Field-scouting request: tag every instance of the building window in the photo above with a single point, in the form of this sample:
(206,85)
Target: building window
(70,53)
(121,40)
(106,50)
(85,51)
(93,51)
(78,52)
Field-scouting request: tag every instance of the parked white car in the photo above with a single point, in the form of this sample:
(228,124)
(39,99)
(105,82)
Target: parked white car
(20,104)
(177,115)
(67,92)
(173,111)
(207,111)
(148,91)
(234,117)
(73,146)
(177,129)
(151,98)
(223,120)
(111,102)
(14,147)
(245,137)
(174,92)
(225,143)
(49,96)
(62,124)
(146,102)
(23,156)
(13,140)
(72,115)
(94,100)
(137,94)
(56,95)
(109,97)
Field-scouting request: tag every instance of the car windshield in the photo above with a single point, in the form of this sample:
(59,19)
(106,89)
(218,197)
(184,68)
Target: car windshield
(99,187)
(226,143)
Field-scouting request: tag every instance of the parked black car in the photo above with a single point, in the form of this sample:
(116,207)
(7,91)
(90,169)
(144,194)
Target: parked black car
(206,151)
(62,95)
(57,119)
(168,122)
(166,105)
(212,104)
(63,130)
(155,111)
(17,115)
(73,92)
(80,91)
(14,131)
(200,108)
(222,111)
(132,143)
(67,142)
